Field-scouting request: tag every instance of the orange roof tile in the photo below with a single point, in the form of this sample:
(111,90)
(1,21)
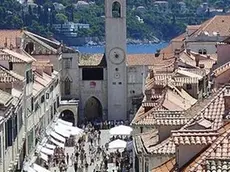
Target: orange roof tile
(168,166)
(179,38)
(219,23)
(218,150)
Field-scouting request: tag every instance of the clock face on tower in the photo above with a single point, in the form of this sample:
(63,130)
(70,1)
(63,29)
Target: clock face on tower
(116,55)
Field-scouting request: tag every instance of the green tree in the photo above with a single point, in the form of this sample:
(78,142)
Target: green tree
(61,18)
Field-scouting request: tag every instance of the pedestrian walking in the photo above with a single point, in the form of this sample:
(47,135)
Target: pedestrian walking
(67,159)
(75,166)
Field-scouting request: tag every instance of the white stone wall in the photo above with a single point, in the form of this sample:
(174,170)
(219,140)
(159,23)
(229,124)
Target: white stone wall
(136,79)
(73,73)
(209,46)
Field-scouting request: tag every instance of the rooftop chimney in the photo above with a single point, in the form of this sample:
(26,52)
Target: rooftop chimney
(39,70)
(188,50)
(18,42)
(177,52)
(5,43)
(48,70)
(197,59)
(11,47)
(201,66)
(227,102)
(151,74)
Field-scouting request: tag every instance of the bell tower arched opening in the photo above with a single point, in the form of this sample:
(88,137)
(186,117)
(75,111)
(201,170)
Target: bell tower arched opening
(93,109)
(116,10)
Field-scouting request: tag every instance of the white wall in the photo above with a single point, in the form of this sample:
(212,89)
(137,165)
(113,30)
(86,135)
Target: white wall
(209,46)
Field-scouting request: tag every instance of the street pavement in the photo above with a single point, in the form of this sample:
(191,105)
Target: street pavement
(70,150)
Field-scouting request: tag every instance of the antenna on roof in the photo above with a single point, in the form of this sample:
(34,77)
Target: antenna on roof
(5,44)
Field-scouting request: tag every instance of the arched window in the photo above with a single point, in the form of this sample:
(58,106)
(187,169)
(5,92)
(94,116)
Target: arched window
(67,86)
(200,51)
(29,47)
(204,51)
(116,9)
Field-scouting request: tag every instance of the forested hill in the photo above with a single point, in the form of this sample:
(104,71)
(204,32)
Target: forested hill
(146,19)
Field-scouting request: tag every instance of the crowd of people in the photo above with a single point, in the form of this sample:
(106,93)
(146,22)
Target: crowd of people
(97,155)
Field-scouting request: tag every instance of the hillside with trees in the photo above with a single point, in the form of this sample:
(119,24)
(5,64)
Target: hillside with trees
(145,18)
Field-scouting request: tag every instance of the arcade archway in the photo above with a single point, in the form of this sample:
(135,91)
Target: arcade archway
(93,109)
(67,115)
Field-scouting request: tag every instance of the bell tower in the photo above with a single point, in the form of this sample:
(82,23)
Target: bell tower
(115,50)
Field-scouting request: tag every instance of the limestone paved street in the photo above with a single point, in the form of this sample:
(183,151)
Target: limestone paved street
(70,150)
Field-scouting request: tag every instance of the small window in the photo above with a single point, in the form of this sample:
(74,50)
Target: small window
(189,86)
(116,69)
(116,10)
(42,99)
(67,86)
(120,83)
(36,106)
(29,47)
(67,63)
(114,83)
(200,51)
(51,88)
(32,104)
(10,65)
(141,129)
(58,103)
(29,76)
(204,51)
(47,95)
(92,74)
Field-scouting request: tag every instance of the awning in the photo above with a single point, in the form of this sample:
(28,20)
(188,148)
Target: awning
(72,130)
(65,122)
(43,156)
(49,146)
(57,136)
(47,151)
(60,130)
(29,169)
(39,168)
(57,143)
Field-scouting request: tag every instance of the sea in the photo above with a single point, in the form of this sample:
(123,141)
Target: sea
(131,48)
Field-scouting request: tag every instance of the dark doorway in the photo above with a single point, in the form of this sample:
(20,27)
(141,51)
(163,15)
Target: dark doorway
(68,115)
(93,109)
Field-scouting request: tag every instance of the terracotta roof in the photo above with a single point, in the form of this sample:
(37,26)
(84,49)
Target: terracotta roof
(147,60)
(49,42)
(214,111)
(165,147)
(220,70)
(171,100)
(7,76)
(168,166)
(5,98)
(190,58)
(179,38)
(43,79)
(15,56)
(37,87)
(42,42)
(216,156)
(219,23)
(196,137)
(149,142)
(10,36)
(90,59)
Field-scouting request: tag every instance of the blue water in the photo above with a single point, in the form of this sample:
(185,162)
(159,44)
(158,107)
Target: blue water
(132,49)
